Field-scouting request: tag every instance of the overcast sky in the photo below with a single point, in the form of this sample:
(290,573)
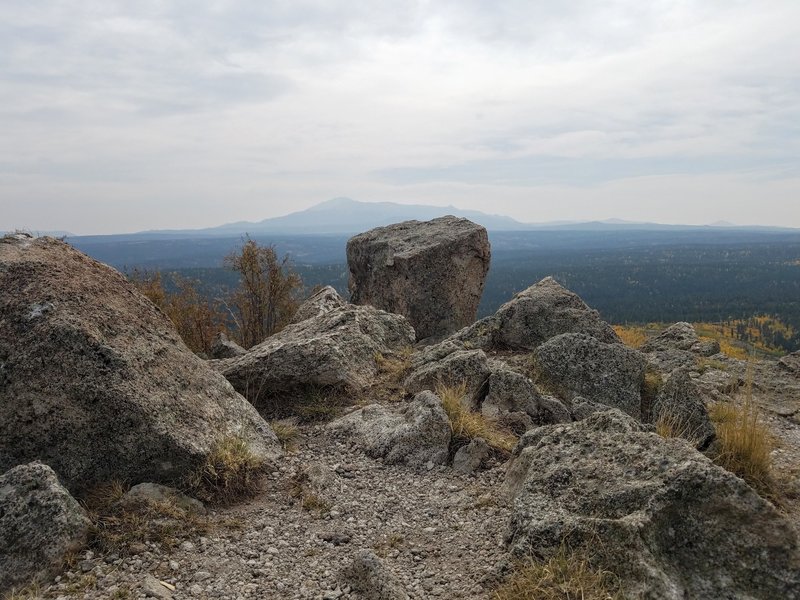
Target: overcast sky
(123,116)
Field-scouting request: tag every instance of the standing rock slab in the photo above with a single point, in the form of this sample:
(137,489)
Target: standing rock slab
(96,382)
(39,524)
(432,272)
(336,349)
(660,515)
(415,435)
(320,302)
(579,365)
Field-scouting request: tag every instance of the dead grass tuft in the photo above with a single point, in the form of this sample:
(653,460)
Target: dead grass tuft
(566,576)
(30,592)
(287,432)
(468,425)
(669,425)
(634,337)
(300,489)
(231,472)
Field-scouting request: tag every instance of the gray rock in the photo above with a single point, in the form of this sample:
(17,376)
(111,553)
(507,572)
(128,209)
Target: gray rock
(415,435)
(432,272)
(157,493)
(790,363)
(660,515)
(39,524)
(681,336)
(512,392)
(225,348)
(679,404)
(469,458)
(153,588)
(582,408)
(469,367)
(579,365)
(532,317)
(320,302)
(101,387)
(667,361)
(368,576)
(336,349)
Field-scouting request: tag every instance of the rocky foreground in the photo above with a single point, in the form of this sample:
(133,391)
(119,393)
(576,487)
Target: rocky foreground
(396,468)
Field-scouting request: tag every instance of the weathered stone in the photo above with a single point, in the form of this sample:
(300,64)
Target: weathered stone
(153,588)
(225,348)
(679,406)
(144,493)
(469,458)
(336,349)
(432,272)
(667,361)
(790,363)
(39,524)
(681,336)
(468,367)
(368,576)
(511,392)
(417,434)
(322,301)
(579,365)
(532,317)
(99,385)
(660,515)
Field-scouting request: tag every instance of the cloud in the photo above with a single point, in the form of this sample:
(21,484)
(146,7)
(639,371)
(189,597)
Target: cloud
(230,110)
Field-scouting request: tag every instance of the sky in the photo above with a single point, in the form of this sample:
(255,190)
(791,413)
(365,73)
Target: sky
(125,116)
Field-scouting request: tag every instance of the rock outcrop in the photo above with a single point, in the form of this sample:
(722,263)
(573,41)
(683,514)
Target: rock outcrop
(660,515)
(225,348)
(432,272)
(418,434)
(541,312)
(790,363)
(576,364)
(679,406)
(39,524)
(96,382)
(467,367)
(320,302)
(681,336)
(336,349)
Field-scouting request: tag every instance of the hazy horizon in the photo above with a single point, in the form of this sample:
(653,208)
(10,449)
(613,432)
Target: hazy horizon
(120,118)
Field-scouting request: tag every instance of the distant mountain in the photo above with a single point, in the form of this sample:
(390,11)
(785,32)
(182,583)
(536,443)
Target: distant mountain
(347,216)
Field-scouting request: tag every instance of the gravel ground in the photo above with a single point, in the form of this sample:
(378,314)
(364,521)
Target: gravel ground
(439,533)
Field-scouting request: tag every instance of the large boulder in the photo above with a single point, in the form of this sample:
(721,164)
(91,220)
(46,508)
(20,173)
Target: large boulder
(416,434)
(681,336)
(96,382)
(535,315)
(40,523)
(661,516)
(324,300)
(575,364)
(336,349)
(432,272)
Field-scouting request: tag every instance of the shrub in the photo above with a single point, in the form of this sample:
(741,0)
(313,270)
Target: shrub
(467,425)
(231,472)
(565,576)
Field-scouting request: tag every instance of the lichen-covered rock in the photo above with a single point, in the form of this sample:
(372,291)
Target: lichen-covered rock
(415,434)
(39,524)
(225,348)
(681,336)
(512,392)
(322,301)
(535,315)
(335,349)
(579,365)
(432,272)
(790,363)
(96,382)
(468,367)
(679,406)
(368,576)
(470,457)
(660,515)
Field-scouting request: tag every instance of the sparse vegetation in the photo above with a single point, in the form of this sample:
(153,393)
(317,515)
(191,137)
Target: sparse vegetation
(468,425)
(300,488)
(231,472)
(651,386)
(634,337)
(118,528)
(669,425)
(392,371)
(287,432)
(565,576)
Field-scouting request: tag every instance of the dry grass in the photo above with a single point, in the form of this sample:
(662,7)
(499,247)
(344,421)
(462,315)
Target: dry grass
(231,472)
(287,433)
(634,337)
(669,425)
(566,576)
(468,425)
(300,489)
(396,366)
(30,592)
(708,364)
(119,529)
(745,444)
(320,404)
(732,350)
